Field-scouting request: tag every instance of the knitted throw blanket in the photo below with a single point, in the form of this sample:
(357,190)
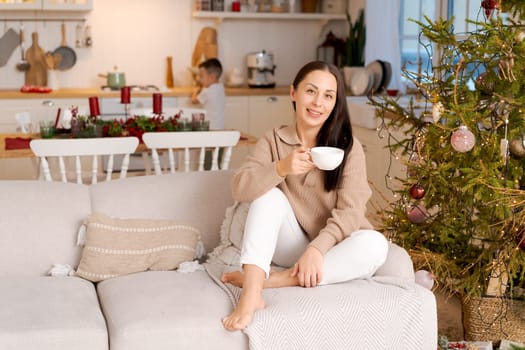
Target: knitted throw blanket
(360,314)
(378,313)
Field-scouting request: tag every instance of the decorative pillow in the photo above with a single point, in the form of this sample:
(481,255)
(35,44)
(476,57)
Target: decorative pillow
(115,247)
(232,231)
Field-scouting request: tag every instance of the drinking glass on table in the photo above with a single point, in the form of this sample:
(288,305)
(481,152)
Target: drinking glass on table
(47,129)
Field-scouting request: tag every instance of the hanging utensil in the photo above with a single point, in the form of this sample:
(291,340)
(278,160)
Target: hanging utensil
(8,43)
(22,65)
(69,57)
(88,40)
(79,36)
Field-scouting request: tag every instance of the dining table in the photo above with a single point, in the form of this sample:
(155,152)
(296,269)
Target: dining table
(19,144)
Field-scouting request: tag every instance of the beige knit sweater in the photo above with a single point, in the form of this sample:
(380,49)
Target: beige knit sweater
(326,217)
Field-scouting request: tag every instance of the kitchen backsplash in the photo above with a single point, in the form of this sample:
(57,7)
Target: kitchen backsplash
(136,36)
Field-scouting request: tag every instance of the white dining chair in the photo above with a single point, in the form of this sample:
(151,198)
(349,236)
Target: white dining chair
(185,142)
(78,148)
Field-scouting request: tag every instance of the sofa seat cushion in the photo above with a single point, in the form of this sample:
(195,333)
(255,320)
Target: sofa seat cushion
(167,310)
(58,313)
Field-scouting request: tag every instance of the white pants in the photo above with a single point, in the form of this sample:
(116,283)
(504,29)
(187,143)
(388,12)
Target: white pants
(272,233)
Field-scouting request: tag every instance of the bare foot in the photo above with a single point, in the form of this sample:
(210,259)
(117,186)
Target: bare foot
(242,316)
(282,278)
(251,300)
(235,277)
(277,279)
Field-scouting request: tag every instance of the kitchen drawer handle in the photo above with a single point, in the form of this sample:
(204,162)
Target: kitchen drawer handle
(48,103)
(271,99)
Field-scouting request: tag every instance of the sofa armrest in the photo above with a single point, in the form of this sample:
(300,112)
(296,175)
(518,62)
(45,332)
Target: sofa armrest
(398,263)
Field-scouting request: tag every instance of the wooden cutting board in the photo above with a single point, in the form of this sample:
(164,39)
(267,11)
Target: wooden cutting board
(35,55)
(205,47)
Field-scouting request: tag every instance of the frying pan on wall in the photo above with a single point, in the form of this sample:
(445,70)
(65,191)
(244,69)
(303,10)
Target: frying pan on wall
(69,57)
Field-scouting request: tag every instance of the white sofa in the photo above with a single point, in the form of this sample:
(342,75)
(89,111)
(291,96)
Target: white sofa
(158,310)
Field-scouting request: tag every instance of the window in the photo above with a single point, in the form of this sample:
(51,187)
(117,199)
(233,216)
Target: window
(416,53)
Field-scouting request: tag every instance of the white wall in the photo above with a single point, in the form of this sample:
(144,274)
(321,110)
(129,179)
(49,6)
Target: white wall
(137,35)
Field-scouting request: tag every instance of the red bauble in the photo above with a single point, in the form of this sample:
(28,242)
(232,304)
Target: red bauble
(417,191)
(489,6)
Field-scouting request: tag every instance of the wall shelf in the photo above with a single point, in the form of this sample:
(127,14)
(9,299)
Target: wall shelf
(226,15)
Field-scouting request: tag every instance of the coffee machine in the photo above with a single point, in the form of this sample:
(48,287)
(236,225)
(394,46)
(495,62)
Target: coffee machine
(260,69)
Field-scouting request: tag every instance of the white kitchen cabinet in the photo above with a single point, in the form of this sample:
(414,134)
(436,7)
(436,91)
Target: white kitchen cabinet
(67,5)
(268,112)
(47,5)
(381,169)
(41,108)
(237,113)
(237,118)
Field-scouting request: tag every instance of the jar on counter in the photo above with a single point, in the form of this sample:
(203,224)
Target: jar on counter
(217,5)
(279,6)
(203,5)
(264,6)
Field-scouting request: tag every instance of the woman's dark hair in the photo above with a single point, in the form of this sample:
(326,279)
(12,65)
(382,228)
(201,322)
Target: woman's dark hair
(336,130)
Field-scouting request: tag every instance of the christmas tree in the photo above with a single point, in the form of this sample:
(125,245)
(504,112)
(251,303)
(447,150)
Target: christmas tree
(460,209)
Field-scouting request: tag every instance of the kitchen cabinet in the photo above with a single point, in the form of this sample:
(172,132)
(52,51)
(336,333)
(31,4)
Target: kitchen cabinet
(254,115)
(381,169)
(47,5)
(267,112)
(40,108)
(236,117)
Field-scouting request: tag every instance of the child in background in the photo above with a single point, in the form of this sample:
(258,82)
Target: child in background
(211,93)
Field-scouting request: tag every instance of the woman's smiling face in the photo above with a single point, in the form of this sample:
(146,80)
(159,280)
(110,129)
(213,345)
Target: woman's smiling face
(314,98)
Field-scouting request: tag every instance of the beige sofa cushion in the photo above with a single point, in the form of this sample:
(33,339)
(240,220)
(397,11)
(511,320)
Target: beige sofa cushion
(185,312)
(50,313)
(39,222)
(199,199)
(116,247)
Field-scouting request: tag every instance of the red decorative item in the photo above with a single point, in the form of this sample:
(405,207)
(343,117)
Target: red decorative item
(417,191)
(125,94)
(236,6)
(489,6)
(94,108)
(157,103)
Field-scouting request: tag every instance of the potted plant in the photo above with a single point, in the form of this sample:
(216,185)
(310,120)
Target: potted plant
(354,57)
(356,40)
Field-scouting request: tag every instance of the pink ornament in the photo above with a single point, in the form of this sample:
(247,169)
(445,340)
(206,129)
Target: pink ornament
(462,139)
(417,213)
(425,279)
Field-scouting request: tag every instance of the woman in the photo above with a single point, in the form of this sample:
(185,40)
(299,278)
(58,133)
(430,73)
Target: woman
(310,221)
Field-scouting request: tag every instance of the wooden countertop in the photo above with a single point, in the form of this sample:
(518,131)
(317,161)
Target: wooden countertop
(173,92)
(245,140)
